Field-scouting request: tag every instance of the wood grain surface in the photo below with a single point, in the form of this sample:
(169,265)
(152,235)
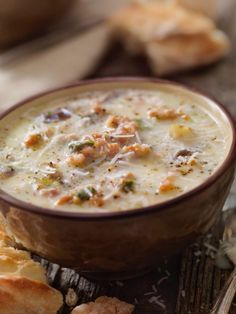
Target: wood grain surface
(190,282)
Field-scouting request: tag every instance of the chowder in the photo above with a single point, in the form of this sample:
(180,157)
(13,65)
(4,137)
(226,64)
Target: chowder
(110,150)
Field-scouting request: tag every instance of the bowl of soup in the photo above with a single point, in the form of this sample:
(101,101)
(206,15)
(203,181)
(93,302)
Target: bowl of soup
(113,175)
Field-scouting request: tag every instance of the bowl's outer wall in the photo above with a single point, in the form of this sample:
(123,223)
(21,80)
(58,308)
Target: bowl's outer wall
(123,244)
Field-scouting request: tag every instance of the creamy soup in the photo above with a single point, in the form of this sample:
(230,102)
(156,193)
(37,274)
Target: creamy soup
(109,150)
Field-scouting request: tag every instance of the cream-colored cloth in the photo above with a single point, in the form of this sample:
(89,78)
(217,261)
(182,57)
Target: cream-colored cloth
(70,60)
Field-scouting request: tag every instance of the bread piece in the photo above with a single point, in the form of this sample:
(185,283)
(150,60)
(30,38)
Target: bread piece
(208,7)
(138,23)
(23,283)
(19,263)
(173,38)
(20,295)
(104,305)
(183,52)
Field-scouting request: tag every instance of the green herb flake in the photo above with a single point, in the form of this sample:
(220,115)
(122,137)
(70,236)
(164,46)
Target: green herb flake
(83,194)
(141,124)
(47,181)
(128,186)
(92,190)
(76,146)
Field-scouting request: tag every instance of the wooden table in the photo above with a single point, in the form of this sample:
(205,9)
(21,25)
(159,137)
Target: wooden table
(189,282)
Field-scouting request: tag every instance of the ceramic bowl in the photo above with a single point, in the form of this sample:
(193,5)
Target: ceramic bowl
(130,241)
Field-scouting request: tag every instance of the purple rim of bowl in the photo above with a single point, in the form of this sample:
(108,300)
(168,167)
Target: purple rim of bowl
(130,212)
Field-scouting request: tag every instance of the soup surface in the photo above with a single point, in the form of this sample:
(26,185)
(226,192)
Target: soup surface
(109,150)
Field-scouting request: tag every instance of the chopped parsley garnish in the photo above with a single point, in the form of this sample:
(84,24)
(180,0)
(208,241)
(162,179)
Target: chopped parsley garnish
(128,186)
(141,124)
(47,181)
(84,195)
(76,146)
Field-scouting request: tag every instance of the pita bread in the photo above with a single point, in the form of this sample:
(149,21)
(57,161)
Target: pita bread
(172,37)
(23,283)
(20,295)
(180,53)
(154,21)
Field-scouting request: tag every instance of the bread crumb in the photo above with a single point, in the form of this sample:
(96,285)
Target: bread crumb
(104,305)
(71,297)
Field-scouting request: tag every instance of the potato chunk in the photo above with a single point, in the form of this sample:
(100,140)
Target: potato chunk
(178,131)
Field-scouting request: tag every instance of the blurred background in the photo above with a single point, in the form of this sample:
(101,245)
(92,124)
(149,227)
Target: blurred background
(48,43)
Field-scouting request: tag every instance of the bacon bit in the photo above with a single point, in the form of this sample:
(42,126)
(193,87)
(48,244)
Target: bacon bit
(122,124)
(97,135)
(76,160)
(140,150)
(33,140)
(167,114)
(163,114)
(97,200)
(178,131)
(97,108)
(49,192)
(64,199)
(167,184)
(114,148)
(100,143)
(88,151)
(130,127)
(113,122)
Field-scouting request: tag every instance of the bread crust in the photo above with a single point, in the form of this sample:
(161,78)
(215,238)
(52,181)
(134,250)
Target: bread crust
(19,295)
(23,283)
(155,21)
(180,53)
(172,37)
